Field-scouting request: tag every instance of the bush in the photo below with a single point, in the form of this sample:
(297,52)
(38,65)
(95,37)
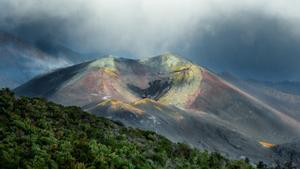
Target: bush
(38,134)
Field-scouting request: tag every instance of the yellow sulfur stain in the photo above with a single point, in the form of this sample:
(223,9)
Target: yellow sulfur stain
(111,72)
(118,105)
(266,144)
(186,85)
(182,73)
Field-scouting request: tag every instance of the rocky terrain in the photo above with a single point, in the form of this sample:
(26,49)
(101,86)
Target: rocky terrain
(176,98)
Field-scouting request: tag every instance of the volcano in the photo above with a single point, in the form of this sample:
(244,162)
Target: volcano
(175,98)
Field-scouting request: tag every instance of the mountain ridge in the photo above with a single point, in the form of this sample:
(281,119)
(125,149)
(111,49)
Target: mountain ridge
(174,91)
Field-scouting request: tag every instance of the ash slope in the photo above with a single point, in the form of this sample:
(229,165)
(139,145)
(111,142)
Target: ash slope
(284,96)
(173,97)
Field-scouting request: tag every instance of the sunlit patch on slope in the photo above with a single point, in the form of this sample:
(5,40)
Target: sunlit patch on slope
(266,144)
(108,61)
(146,101)
(115,105)
(183,76)
(186,85)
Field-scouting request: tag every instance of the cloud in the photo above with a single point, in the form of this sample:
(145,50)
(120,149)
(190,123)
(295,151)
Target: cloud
(251,38)
(250,44)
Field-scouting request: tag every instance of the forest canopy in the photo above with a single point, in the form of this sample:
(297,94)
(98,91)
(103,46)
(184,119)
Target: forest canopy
(38,134)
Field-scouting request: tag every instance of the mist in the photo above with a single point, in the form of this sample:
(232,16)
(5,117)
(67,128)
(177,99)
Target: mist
(256,39)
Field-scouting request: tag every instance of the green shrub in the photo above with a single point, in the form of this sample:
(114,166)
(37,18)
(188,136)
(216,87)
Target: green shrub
(36,134)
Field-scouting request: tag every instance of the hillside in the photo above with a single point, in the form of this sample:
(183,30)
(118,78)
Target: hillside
(281,95)
(35,133)
(175,98)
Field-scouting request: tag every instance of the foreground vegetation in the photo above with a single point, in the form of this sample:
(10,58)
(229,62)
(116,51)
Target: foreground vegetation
(35,133)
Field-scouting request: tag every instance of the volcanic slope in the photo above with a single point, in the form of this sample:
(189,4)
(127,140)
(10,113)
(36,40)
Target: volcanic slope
(284,96)
(174,97)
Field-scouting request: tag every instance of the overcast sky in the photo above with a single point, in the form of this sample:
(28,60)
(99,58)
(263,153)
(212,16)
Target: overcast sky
(249,38)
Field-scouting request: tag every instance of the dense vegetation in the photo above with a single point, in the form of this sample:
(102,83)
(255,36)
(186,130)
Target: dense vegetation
(35,133)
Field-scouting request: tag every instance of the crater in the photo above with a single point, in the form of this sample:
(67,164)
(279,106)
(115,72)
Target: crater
(155,90)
